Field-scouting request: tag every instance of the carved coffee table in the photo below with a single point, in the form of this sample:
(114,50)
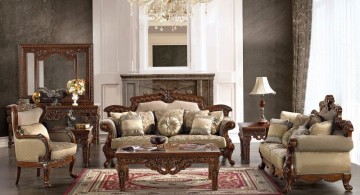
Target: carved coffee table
(170,161)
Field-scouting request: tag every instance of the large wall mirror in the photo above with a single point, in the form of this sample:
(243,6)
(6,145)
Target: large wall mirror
(48,68)
(171,45)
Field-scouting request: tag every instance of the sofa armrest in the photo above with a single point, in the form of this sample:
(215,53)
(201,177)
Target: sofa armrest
(226,125)
(323,143)
(108,125)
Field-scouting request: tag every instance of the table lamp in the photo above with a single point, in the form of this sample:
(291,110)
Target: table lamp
(261,88)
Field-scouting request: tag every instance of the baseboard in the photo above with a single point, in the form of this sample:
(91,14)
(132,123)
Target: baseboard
(4,142)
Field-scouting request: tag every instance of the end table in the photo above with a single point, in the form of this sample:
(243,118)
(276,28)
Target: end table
(84,137)
(246,131)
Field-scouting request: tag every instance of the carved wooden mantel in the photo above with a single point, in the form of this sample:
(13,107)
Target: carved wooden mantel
(142,84)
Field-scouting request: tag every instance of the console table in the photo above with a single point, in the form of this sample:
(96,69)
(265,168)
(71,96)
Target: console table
(57,115)
(246,131)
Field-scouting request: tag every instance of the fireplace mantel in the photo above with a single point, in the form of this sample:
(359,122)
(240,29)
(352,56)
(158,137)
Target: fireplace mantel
(141,84)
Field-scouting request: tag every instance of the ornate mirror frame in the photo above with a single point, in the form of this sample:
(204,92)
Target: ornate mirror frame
(42,52)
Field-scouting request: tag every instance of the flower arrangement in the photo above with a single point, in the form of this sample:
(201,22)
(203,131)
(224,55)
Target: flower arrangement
(76,86)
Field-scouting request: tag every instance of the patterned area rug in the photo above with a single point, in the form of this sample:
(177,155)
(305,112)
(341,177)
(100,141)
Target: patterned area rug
(189,181)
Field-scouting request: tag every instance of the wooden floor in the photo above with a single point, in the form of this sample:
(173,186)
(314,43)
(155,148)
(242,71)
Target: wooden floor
(60,180)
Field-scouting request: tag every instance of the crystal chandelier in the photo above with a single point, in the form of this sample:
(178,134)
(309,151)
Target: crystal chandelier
(167,12)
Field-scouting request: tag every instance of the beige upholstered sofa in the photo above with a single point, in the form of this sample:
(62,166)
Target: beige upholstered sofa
(309,148)
(182,118)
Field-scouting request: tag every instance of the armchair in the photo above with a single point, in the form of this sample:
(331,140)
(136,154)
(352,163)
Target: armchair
(36,147)
(314,150)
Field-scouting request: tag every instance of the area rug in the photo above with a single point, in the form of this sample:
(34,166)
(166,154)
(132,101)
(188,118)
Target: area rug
(189,181)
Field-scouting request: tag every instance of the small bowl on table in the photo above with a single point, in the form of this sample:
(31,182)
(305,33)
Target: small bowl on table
(158,140)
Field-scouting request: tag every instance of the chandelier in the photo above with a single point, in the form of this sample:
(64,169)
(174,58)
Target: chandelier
(167,12)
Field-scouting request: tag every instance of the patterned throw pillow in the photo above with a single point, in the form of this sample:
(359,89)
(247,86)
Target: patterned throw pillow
(131,124)
(323,128)
(312,120)
(202,125)
(117,114)
(277,129)
(169,126)
(286,137)
(190,115)
(218,117)
(35,129)
(148,121)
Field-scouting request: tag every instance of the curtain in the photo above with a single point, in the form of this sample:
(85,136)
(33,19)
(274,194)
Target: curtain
(301,39)
(334,64)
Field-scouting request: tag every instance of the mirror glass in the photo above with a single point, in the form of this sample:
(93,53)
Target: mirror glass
(48,68)
(55,72)
(167,46)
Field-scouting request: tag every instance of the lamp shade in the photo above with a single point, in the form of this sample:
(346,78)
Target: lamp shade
(262,87)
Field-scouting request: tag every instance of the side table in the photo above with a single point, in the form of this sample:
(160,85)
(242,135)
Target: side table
(84,137)
(246,131)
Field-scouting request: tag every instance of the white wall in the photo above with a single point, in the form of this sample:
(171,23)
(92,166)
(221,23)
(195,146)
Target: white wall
(216,47)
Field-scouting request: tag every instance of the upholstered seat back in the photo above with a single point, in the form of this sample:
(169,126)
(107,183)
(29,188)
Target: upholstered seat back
(159,105)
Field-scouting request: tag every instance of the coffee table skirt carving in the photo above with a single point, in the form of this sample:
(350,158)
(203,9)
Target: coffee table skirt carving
(170,161)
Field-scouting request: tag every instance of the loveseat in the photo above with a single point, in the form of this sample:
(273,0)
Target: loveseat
(309,147)
(182,118)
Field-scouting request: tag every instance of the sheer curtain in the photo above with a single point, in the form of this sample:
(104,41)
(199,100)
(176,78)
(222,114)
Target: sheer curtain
(334,63)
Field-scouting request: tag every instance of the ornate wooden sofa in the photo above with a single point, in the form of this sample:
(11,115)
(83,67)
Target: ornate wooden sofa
(311,157)
(171,100)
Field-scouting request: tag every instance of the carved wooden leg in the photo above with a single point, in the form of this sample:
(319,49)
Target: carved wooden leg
(18,175)
(346,180)
(123,171)
(86,156)
(109,154)
(227,153)
(46,176)
(71,168)
(38,172)
(214,172)
(245,149)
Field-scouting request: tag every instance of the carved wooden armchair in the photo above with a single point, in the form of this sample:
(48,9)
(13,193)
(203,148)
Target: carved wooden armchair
(36,147)
(312,157)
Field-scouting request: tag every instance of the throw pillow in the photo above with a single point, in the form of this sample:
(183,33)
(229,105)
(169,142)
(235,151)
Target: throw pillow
(277,129)
(323,128)
(285,115)
(300,120)
(169,126)
(312,120)
(117,114)
(327,115)
(148,121)
(35,129)
(286,137)
(117,122)
(190,115)
(131,124)
(202,125)
(302,130)
(177,113)
(218,117)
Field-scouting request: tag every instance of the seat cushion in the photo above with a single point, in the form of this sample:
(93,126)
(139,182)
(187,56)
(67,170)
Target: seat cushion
(60,150)
(277,157)
(199,139)
(131,140)
(266,148)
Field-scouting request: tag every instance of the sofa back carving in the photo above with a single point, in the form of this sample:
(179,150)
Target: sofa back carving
(168,96)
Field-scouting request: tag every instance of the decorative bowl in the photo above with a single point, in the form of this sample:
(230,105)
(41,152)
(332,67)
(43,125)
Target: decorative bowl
(159,139)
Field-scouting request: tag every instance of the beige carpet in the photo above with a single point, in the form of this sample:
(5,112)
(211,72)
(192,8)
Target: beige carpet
(189,181)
